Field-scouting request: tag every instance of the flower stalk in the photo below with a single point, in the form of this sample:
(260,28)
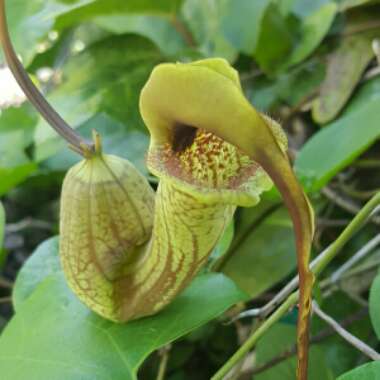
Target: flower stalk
(76,142)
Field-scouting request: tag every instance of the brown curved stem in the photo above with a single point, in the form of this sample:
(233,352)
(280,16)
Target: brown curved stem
(79,144)
(283,176)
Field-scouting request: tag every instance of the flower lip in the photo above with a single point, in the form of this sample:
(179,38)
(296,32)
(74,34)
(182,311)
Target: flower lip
(205,166)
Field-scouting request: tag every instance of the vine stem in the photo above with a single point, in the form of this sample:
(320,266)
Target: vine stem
(320,264)
(76,142)
(347,336)
(5,299)
(164,353)
(359,255)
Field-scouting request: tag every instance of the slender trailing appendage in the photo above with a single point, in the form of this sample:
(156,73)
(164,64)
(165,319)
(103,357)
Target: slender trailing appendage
(127,252)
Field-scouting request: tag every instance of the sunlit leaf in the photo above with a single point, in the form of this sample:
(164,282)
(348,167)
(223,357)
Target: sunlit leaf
(30,21)
(106,78)
(96,8)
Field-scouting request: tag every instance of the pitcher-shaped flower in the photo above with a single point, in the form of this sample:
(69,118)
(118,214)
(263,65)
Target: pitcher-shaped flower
(184,104)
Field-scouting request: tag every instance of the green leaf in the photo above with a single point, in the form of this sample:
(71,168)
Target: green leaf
(261,257)
(12,148)
(374,305)
(298,84)
(148,18)
(368,92)
(22,118)
(2,226)
(274,32)
(41,264)
(96,8)
(275,39)
(16,134)
(292,87)
(262,93)
(340,142)
(11,177)
(30,21)
(312,30)
(369,371)
(305,8)
(291,31)
(68,341)
(283,335)
(204,20)
(241,23)
(158,29)
(106,78)
(344,71)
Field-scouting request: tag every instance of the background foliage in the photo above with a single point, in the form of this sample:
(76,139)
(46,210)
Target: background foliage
(312,65)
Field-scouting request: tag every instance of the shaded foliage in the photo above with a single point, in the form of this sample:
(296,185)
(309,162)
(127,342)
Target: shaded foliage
(309,64)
